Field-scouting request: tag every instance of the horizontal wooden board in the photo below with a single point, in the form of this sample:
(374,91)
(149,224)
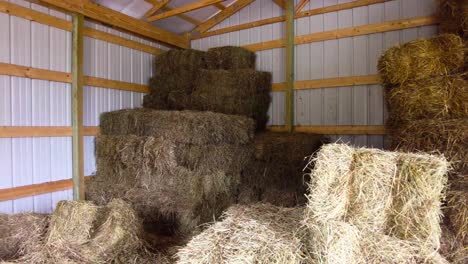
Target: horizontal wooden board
(90,130)
(348,32)
(36,189)
(330,82)
(34,131)
(118,85)
(334,130)
(34,73)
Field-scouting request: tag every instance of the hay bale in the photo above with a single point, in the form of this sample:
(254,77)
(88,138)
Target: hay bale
(454,17)
(382,192)
(20,233)
(442,97)
(422,58)
(230,58)
(276,175)
(238,92)
(449,137)
(259,233)
(457,209)
(172,84)
(184,127)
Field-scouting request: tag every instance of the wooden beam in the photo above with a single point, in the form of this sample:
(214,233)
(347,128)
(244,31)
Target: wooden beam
(334,130)
(183,9)
(219,6)
(36,189)
(156,6)
(184,17)
(119,20)
(90,130)
(34,73)
(77,106)
(348,32)
(280,3)
(118,85)
(290,65)
(300,5)
(278,19)
(330,82)
(34,131)
(221,16)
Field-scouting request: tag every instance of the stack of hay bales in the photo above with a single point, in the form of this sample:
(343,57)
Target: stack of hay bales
(222,80)
(427,99)
(178,169)
(79,232)
(276,174)
(364,206)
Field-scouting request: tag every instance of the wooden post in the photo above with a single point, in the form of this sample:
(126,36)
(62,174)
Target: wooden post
(77,106)
(290,65)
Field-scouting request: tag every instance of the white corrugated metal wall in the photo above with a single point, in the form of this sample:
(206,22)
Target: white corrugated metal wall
(352,56)
(30,102)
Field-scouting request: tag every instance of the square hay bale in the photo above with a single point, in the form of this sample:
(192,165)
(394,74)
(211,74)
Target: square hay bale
(81,232)
(449,137)
(422,58)
(238,92)
(230,58)
(454,17)
(276,175)
(184,127)
(259,233)
(20,233)
(392,193)
(172,84)
(441,97)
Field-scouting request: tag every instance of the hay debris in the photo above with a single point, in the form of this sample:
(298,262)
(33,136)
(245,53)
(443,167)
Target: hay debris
(276,175)
(184,127)
(449,137)
(442,97)
(422,58)
(259,233)
(230,58)
(238,92)
(20,233)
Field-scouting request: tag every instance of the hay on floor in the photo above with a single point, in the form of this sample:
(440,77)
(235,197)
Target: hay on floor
(230,58)
(238,92)
(20,233)
(184,172)
(442,97)
(380,193)
(449,137)
(259,233)
(422,58)
(276,174)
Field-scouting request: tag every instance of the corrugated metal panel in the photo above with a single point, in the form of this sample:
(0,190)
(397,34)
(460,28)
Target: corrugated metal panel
(358,105)
(27,102)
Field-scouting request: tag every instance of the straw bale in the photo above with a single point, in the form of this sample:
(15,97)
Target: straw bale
(239,92)
(19,233)
(422,58)
(442,97)
(177,185)
(449,137)
(454,17)
(457,209)
(259,233)
(184,127)
(230,58)
(276,175)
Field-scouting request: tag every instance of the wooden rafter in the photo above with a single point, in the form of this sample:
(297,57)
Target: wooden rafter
(221,16)
(300,5)
(219,6)
(156,6)
(184,17)
(280,3)
(183,9)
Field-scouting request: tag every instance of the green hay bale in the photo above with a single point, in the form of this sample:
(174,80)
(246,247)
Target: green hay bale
(422,58)
(449,137)
(230,58)
(276,175)
(237,92)
(20,233)
(454,17)
(443,97)
(173,185)
(258,233)
(185,127)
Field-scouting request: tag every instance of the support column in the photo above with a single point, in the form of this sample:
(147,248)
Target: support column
(290,65)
